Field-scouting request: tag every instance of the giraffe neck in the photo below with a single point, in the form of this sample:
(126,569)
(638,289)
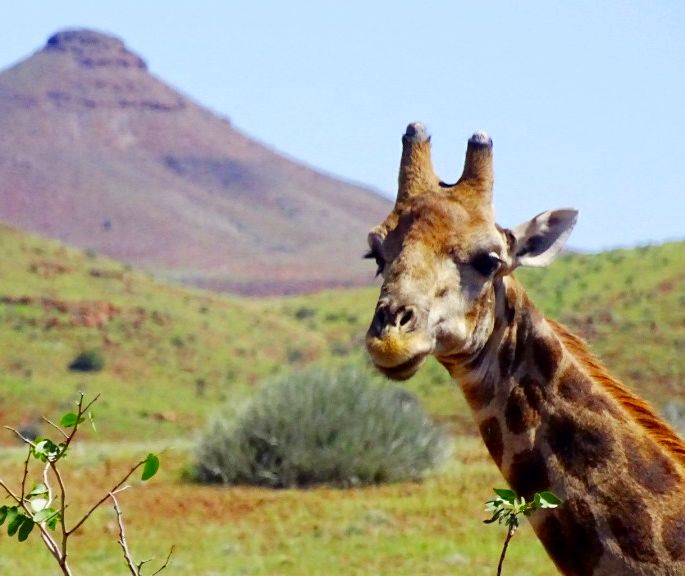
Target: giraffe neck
(552,419)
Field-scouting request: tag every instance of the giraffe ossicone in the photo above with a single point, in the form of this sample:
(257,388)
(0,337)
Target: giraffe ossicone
(550,414)
(481,137)
(416,131)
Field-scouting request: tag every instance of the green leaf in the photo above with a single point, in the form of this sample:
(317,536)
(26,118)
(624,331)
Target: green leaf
(52,521)
(70,419)
(547,500)
(45,514)
(92,420)
(3,514)
(495,517)
(25,529)
(151,467)
(39,450)
(38,490)
(38,504)
(16,522)
(46,449)
(12,512)
(507,495)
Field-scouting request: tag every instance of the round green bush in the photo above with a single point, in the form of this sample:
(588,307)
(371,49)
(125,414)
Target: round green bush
(88,361)
(322,426)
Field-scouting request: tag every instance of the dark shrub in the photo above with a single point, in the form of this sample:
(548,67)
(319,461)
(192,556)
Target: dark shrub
(88,361)
(323,426)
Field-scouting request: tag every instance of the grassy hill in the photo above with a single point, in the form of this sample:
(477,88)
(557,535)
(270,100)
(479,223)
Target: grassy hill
(174,354)
(630,306)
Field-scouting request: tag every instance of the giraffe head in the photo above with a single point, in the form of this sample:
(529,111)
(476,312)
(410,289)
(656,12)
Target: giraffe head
(440,253)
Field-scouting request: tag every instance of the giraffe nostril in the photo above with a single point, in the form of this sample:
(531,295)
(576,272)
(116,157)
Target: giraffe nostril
(406,316)
(380,319)
(387,316)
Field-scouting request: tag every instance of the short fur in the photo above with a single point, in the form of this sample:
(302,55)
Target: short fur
(549,413)
(638,408)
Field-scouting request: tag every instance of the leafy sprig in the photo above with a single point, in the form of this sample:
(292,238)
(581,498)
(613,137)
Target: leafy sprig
(34,507)
(508,507)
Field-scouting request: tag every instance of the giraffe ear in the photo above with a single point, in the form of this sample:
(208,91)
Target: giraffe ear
(539,241)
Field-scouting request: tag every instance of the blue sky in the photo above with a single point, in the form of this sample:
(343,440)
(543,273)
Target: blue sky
(584,100)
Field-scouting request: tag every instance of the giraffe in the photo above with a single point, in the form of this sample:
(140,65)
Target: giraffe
(551,416)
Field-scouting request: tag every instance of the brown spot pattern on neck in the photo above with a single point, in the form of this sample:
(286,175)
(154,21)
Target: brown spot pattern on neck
(640,410)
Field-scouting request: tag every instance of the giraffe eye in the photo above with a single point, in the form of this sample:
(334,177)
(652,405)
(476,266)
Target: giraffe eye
(374,254)
(486,263)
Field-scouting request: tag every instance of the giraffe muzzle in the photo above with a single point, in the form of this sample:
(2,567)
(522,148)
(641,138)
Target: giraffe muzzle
(396,340)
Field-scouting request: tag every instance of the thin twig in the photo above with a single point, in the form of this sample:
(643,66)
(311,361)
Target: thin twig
(59,550)
(25,474)
(136,569)
(510,534)
(62,506)
(49,541)
(20,498)
(20,435)
(46,483)
(93,401)
(9,491)
(83,409)
(99,502)
(122,537)
(62,432)
(166,562)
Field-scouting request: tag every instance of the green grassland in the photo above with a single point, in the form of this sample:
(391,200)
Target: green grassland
(174,355)
(433,527)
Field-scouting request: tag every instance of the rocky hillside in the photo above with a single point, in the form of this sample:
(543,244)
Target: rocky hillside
(97,152)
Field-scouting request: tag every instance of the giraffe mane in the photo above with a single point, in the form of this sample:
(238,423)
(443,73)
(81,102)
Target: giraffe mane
(640,410)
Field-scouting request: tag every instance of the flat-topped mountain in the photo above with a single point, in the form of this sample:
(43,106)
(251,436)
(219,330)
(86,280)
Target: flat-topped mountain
(97,152)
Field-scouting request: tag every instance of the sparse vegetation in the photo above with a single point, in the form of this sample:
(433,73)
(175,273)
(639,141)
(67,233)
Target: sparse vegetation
(88,361)
(323,426)
(44,506)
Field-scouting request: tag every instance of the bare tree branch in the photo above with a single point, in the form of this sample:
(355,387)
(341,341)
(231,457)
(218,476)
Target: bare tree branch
(135,570)
(20,435)
(46,482)
(51,457)
(166,562)
(9,491)
(48,540)
(62,432)
(25,473)
(62,506)
(99,502)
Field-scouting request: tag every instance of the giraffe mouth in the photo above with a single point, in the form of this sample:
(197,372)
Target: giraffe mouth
(405,370)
